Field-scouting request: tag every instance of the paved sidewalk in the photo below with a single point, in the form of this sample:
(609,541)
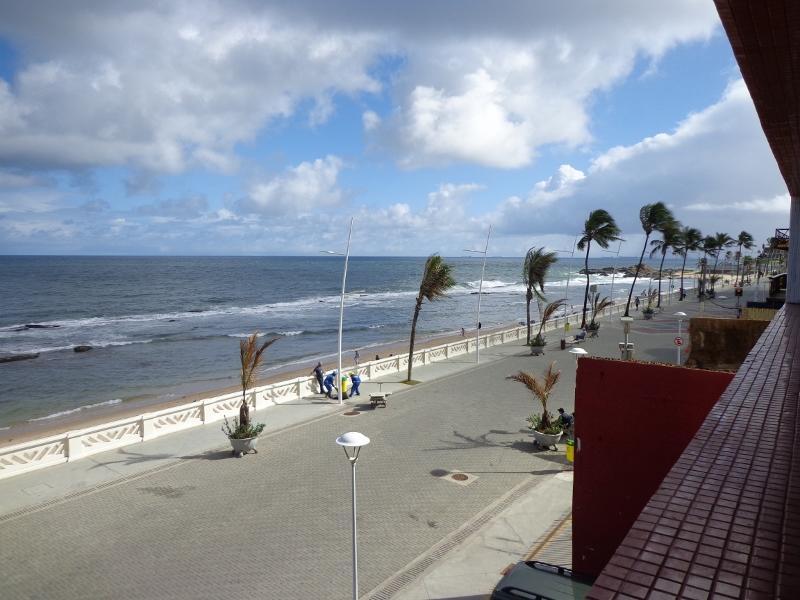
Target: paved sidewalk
(177,517)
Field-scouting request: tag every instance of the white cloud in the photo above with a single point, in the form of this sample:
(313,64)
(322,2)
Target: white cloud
(308,187)
(164,87)
(167,86)
(777,204)
(712,168)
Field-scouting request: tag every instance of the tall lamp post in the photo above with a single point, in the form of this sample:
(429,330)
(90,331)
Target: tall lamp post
(352,442)
(566,291)
(613,271)
(626,327)
(346,255)
(681,316)
(480,293)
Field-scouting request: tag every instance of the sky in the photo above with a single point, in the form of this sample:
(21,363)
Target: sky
(262,128)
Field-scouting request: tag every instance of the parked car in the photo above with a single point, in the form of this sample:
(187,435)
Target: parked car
(534,580)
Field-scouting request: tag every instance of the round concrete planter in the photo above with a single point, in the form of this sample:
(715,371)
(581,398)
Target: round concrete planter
(648,316)
(537,350)
(244,446)
(546,440)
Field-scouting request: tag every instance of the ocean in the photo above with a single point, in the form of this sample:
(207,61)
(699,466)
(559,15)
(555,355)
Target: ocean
(163,327)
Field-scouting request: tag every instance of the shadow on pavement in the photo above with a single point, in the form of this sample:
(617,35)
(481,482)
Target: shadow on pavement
(218,454)
(132,458)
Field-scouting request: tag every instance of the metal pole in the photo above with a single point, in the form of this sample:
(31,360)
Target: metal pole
(480,293)
(678,348)
(355,537)
(339,385)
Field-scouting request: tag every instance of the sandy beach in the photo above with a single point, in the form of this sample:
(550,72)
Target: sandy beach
(103,414)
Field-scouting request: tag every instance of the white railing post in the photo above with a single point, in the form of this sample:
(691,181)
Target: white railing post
(146,426)
(73,447)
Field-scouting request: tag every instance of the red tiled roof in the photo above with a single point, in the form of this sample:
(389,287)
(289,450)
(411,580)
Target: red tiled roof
(725,522)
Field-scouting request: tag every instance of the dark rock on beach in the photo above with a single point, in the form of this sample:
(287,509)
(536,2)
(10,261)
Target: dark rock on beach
(16,357)
(81,348)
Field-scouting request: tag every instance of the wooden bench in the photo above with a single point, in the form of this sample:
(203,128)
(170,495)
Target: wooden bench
(379,398)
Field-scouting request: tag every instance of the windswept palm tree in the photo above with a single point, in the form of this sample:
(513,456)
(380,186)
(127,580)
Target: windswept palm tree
(653,217)
(251,356)
(670,239)
(436,280)
(689,240)
(720,241)
(708,248)
(541,388)
(600,227)
(745,240)
(545,315)
(534,270)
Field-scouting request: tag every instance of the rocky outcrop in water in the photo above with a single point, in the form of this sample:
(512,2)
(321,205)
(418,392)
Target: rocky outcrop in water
(16,357)
(81,348)
(645,271)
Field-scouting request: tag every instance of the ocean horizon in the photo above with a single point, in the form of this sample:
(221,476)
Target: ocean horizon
(161,327)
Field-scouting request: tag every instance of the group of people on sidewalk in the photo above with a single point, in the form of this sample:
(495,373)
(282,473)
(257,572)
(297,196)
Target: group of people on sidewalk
(328,383)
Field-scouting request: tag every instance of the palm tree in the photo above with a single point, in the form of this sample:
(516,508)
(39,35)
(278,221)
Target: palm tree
(745,240)
(541,388)
(598,306)
(600,227)
(251,356)
(545,315)
(436,280)
(707,245)
(689,240)
(534,269)
(720,241)
(670,239)
(654,217)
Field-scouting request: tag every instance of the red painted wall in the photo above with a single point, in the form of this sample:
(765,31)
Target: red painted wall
(632,422)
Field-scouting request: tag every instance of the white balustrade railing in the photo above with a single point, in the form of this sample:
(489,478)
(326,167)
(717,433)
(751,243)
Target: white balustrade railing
(72,445)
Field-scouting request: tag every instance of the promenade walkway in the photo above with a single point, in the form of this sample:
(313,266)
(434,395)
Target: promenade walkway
(177,517)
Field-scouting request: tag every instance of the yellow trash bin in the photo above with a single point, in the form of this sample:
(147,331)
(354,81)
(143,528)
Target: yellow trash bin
(571,451)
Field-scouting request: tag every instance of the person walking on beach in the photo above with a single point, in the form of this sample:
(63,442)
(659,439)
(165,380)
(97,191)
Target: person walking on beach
(356,358)
(463,333)
(328,383)
(317,372)
(356,381)
(636,303)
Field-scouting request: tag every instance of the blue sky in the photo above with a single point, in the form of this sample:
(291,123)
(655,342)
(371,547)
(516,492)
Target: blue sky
(259,128)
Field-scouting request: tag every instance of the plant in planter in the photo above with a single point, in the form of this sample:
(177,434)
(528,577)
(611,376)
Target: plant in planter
(648,310)
(547,430)
(243,434)
(539,341)
(598,306)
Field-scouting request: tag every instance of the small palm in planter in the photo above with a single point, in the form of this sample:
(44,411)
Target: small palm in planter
(649,311)
(243,435)
(547,430)
(598,306)
(538,342)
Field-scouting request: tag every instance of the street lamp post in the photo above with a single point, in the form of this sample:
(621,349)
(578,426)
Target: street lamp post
(626,327)
(578,352)
(480,293)
(352,442)
(566,291)
(613,270)
(681,316)
(346,255)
